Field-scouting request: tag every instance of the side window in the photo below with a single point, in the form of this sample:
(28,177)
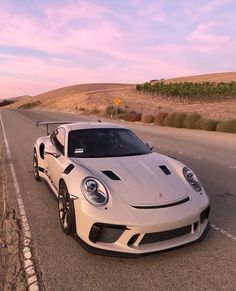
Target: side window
(58,139)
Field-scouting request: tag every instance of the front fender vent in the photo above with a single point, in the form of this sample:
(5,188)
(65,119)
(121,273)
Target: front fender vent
(111,175)
(68,169)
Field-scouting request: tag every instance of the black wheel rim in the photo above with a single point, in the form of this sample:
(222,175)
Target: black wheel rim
(64,208)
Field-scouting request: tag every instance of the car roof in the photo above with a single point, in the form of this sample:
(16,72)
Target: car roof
(90,125)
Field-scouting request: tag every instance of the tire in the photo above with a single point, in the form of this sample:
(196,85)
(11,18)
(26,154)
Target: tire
(66,210)
(36,166)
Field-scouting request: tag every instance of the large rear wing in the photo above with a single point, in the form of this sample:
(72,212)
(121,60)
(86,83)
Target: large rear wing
(47,123)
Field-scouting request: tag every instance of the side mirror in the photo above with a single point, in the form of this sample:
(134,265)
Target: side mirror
(51,150)
(150,145)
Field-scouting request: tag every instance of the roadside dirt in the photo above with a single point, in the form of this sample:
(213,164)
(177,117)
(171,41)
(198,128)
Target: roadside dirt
(11,270)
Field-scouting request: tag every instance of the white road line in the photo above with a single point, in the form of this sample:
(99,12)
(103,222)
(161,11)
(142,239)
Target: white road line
(224,232)
(3,193)
(29,267)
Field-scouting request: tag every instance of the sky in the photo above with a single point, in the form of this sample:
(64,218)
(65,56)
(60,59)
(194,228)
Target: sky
(48,44)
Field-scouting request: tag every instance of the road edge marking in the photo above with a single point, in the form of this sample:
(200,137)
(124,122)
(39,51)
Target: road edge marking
(29,267)
(224,232)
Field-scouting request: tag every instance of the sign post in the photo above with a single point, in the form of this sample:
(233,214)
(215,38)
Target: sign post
(117,102)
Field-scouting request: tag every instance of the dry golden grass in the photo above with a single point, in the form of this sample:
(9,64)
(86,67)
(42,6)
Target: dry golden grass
(216,77)
(99,96)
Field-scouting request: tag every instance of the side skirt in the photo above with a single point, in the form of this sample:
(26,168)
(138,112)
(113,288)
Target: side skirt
(46,178)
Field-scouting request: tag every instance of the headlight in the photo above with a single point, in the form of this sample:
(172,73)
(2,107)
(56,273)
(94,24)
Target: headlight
(94,191)
(192,179)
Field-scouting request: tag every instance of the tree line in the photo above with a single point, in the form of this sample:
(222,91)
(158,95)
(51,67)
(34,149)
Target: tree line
(190,91)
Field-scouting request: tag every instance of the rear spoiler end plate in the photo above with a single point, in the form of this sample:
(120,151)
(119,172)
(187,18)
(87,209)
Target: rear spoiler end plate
(47,123)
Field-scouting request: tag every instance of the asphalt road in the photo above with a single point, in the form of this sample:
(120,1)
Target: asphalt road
(64,265)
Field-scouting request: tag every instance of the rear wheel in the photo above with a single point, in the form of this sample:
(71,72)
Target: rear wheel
(66,210)
(36,166)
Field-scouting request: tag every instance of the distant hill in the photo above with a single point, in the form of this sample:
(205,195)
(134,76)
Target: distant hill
(215,77)
(78,89)
(94,99)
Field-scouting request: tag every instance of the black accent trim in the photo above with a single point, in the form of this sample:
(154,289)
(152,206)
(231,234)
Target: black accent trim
(52,154)
(153,237)
(94,233)
(165,169)
(68,169)
(106,233)
(133,239)
(117,226)
(102,252)
(205,214)
(111,175)
(41,169)
(164,205)
(41,150)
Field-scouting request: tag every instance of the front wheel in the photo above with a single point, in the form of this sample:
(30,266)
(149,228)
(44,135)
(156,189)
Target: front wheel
(36,166)
(66,210)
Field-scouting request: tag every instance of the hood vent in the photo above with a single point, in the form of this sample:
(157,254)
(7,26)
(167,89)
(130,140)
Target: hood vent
(165,169)
(111,175)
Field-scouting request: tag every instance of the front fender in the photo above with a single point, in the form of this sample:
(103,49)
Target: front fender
(73,180)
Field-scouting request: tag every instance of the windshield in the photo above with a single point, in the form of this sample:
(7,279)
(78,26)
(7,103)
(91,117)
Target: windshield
(104,142)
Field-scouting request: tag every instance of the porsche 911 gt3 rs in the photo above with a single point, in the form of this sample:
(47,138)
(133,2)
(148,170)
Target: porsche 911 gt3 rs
(115,194)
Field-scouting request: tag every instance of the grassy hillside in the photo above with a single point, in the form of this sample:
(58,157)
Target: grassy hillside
(216,77)
(94,98)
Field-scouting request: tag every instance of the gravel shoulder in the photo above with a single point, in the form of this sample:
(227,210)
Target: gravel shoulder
(11,269)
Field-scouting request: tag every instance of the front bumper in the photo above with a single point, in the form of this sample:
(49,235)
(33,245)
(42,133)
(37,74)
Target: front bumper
(134,231)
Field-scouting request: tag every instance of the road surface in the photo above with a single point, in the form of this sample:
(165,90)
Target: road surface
(63,265)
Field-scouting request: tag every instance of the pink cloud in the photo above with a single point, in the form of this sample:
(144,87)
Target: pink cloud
(152,11)
(202,35)
(76,10)
(14,87)
(214,4)
(122,55)
(33,33)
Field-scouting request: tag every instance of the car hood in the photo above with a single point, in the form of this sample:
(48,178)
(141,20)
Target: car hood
(141,180)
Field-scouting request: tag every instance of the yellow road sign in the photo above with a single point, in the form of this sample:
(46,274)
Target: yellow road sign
(117,100)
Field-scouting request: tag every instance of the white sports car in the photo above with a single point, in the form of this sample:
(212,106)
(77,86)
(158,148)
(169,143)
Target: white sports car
(115,194)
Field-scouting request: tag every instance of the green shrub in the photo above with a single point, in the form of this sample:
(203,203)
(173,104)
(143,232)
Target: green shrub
(139,116)
(80,108)
(206,124)
(190,120)
(111,110)
(30,105)
(199,124)
(122,116)
(227,126)
(148,118)
(175,119)
(160,118)
(94,111)
(6,102)
(179,119)
(132,116)
(170,119)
